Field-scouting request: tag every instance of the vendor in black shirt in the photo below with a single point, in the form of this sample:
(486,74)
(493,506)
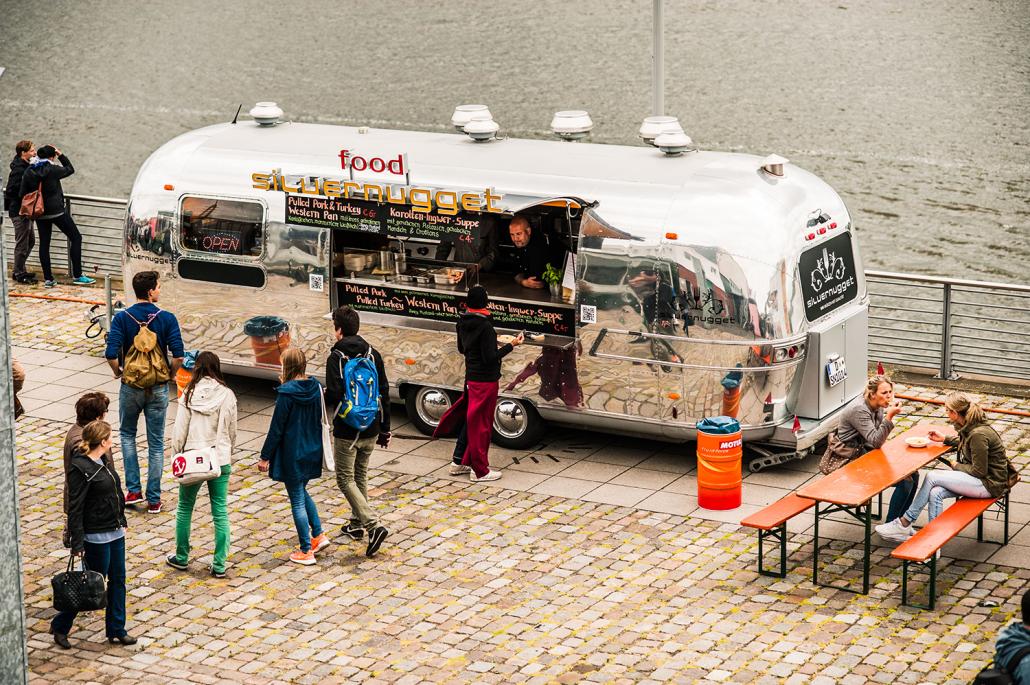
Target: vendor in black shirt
(531,253)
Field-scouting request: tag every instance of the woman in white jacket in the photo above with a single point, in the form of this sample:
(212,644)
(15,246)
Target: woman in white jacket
(206,418)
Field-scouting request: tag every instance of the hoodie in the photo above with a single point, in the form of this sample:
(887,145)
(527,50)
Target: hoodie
(208,421)
(293,446)
(50,176)
(353,346)
(1013,637)
(12,193)
(477,340)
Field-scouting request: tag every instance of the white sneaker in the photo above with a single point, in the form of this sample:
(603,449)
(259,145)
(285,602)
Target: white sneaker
(459,469)
(894,531)
(490,475)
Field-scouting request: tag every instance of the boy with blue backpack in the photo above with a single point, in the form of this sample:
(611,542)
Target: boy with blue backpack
(357,394)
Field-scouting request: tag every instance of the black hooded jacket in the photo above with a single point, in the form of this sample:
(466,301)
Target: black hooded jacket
(50,175)
(96,503)
(477,340)
(12,193)
(354,346)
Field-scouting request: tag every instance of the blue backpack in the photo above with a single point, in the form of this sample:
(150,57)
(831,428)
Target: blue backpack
(359,406)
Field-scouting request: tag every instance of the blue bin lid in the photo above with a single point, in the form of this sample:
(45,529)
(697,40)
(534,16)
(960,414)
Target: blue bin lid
(718,425)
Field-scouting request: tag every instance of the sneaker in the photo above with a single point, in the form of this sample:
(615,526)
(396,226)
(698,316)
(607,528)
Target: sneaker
(319,543)
(303,558)
(490,475)
(894,531)
(84,280)
(459,469)
(134,498)
(353,531)
(50,283)
(154,507)
(375,540)
(217,574)
(174,562)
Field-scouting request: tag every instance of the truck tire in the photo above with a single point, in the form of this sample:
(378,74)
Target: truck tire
(425,406)
(517,425)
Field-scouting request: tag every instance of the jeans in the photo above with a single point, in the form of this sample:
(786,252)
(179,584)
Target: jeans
(940,485)
(218,492)
(24,240)
(66,225)
(305,515)
(352,478)
(901,499)
(108,559)
(153,404)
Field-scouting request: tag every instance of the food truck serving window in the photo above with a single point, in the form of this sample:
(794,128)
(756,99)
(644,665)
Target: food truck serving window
(220,226)
(828,278)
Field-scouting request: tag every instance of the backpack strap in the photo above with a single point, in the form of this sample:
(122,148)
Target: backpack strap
(1013,663)
(142,324)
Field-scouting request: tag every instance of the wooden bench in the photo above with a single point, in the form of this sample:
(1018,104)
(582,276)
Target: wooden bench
(922,548)
(771,522)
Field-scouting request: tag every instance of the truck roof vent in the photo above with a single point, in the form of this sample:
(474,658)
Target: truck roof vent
(773,165)
(482,127)
(657,125)
(571,125)
(266,113)
(463,114)
(673,144)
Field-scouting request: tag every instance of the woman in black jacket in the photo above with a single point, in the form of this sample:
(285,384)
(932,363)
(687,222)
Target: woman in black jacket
(46,176)
(477,340)
(96,529)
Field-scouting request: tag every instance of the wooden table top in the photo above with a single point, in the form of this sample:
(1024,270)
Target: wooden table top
(862,479)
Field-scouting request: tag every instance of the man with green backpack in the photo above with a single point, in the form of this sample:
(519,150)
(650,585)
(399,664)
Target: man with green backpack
(138,345)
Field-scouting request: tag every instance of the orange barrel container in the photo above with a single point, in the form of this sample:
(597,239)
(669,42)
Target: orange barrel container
(182,378)
(269,336)
(719,455)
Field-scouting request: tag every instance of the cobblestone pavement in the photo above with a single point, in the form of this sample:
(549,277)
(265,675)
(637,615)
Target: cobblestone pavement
(588,562)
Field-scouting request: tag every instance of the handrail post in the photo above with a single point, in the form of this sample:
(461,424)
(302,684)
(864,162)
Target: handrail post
(945,370)
(108,298)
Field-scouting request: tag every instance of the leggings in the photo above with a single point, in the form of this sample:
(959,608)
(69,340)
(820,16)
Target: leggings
(66,225)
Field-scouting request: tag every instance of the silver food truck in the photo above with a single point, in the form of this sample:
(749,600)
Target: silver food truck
(679,284)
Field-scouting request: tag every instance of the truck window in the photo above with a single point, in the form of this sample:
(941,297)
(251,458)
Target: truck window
(220,226)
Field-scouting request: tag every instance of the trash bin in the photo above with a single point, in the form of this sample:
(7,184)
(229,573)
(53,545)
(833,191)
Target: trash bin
(719,455)
(185,373)
(269,336)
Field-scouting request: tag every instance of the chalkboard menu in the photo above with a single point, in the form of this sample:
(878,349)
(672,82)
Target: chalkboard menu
(391,220)
(437,306)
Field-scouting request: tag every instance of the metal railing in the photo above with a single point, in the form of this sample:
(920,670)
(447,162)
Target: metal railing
(950,327)
(101,221)
(942,326)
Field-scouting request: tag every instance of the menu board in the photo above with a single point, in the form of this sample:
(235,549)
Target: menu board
(438,306)
(391,220)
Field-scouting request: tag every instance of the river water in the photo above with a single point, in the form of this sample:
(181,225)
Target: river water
(918,113)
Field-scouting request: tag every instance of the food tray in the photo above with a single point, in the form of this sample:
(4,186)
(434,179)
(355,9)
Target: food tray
(447,276)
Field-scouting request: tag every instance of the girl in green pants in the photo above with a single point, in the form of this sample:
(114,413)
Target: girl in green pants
(206,417)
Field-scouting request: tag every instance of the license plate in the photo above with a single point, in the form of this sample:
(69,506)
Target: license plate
(836,371)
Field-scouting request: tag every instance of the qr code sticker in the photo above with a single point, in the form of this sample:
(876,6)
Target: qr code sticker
(316,282)
(587,313)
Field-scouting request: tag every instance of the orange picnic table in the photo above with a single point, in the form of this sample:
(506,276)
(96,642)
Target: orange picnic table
(851,488)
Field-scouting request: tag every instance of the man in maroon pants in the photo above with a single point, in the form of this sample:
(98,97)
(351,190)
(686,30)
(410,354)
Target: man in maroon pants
(477,340)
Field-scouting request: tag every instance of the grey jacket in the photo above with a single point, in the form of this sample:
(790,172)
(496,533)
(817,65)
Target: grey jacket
(860,421)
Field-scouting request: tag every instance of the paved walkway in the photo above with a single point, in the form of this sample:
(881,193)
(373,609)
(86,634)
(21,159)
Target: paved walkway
(590,561)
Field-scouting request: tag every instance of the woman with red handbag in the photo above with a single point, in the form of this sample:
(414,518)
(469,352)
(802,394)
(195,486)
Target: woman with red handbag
(96,530)
(206,419)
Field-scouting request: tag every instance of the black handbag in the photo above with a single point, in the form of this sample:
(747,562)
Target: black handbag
(81,590)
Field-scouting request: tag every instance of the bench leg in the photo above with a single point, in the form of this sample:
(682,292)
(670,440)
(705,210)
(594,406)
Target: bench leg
(1003,504)
(931,590)
(815,548)
(779,534)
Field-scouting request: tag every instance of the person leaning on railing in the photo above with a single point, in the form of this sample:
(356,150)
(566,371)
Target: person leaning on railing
(981,471)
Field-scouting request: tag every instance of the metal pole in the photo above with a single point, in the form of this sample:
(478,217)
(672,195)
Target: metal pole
(14,664)
(945,370)
(658,59)
(109,313)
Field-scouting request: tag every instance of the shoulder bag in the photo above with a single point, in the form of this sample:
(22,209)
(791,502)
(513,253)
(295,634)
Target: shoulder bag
(195,466)
(328,458)
(32,203)
(838,453)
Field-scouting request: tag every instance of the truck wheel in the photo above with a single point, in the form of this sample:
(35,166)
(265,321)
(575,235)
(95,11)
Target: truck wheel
(517,425)
(426,406)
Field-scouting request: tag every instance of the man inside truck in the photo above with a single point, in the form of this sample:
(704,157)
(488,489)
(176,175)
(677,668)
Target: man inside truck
(532,254)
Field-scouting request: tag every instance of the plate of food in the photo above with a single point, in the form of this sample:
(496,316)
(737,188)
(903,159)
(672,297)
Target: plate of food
(505,339)
(917,442)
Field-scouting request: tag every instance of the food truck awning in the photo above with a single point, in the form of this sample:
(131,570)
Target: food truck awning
(514,204)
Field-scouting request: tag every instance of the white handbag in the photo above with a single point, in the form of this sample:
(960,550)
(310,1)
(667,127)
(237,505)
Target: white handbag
(328,460)
(195,466)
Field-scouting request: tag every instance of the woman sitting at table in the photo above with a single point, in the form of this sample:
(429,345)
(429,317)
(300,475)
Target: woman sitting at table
(870,419)
(981,471)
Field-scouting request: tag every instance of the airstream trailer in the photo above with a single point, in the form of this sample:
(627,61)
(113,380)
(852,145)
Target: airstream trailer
(686,286)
